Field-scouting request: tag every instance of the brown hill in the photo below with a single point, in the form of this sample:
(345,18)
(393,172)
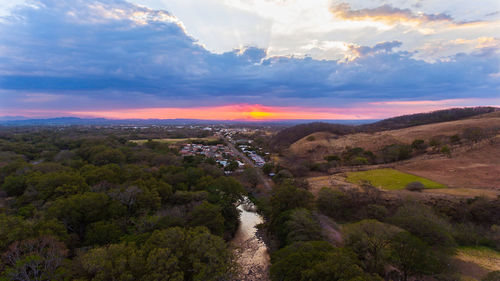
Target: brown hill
(317,145)
(287,136)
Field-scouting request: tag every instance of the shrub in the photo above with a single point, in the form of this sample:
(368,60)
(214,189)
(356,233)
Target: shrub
(455,139)
(331,158)
(359,161)
(415,186)
(418,144)
(310,138)
(446,150)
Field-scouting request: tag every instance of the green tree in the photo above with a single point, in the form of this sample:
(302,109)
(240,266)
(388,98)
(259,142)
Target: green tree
(208,215)
(332,203)
(316,260)
(114,262)
(78,211)
(14,184)
(201,255)
(410,255)
(287,197)
(251,177)
(301,226)
(231,166)
(34,259)
(370,239)
(103,232)
(13,228)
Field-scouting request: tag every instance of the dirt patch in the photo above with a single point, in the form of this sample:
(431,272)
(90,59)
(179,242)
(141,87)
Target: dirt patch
(332,181)
(477,167)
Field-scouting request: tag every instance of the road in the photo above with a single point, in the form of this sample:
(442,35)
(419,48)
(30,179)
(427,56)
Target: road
(266,182)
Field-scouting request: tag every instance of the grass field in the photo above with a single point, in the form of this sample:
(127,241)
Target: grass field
(389,179)
(213,138)
(482,256)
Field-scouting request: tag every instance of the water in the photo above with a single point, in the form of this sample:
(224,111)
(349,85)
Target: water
(251,251)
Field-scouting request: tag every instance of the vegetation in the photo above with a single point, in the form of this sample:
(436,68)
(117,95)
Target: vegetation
(88,204)
(389,179)
(415,186)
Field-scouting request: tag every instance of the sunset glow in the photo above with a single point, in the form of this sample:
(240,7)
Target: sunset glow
(246,60)
(258,112)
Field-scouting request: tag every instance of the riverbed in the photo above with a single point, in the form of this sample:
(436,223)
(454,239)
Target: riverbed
(251,251)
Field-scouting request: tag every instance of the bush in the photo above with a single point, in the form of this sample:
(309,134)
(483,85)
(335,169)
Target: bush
(331,158)
(455,139)
(396,152)
(310,138)
(418,145)
(446,150)
(415,186)
(359,161)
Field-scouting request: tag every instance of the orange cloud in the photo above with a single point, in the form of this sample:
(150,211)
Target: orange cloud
(392,15)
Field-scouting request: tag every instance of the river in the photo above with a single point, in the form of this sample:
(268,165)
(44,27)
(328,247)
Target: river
(251,251)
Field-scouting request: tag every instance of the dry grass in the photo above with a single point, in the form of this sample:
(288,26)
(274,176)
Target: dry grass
(482,256)
(327,143)
(476,167)
(466,192)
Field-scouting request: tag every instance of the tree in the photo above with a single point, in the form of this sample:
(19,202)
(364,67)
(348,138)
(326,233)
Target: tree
(77,211)
(370,239)
(410,255)
(103,232)
(286,197)
(332,203)
(208,215)
(231,166)
(201,255)
(316,260)
(301,226)
(14,185)
(13,228)
(251,177)
(114,262)
(34,259)
(414,216)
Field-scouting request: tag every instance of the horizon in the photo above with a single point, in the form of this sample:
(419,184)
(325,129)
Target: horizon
(251,61)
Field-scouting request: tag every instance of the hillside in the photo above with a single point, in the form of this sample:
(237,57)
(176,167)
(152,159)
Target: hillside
(317,145)
(290,135)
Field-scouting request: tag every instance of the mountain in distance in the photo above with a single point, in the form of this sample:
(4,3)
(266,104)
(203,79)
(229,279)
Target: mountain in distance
(72,121)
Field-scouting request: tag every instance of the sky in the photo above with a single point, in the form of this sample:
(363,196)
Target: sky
(247,59)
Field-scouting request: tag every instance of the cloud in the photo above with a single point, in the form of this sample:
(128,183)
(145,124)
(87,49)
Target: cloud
(384,47)
(391,15)
(87,55)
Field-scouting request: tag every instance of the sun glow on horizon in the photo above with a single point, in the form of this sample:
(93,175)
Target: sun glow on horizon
(259,112)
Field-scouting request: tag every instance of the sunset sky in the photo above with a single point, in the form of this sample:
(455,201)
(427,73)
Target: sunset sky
(247,59)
